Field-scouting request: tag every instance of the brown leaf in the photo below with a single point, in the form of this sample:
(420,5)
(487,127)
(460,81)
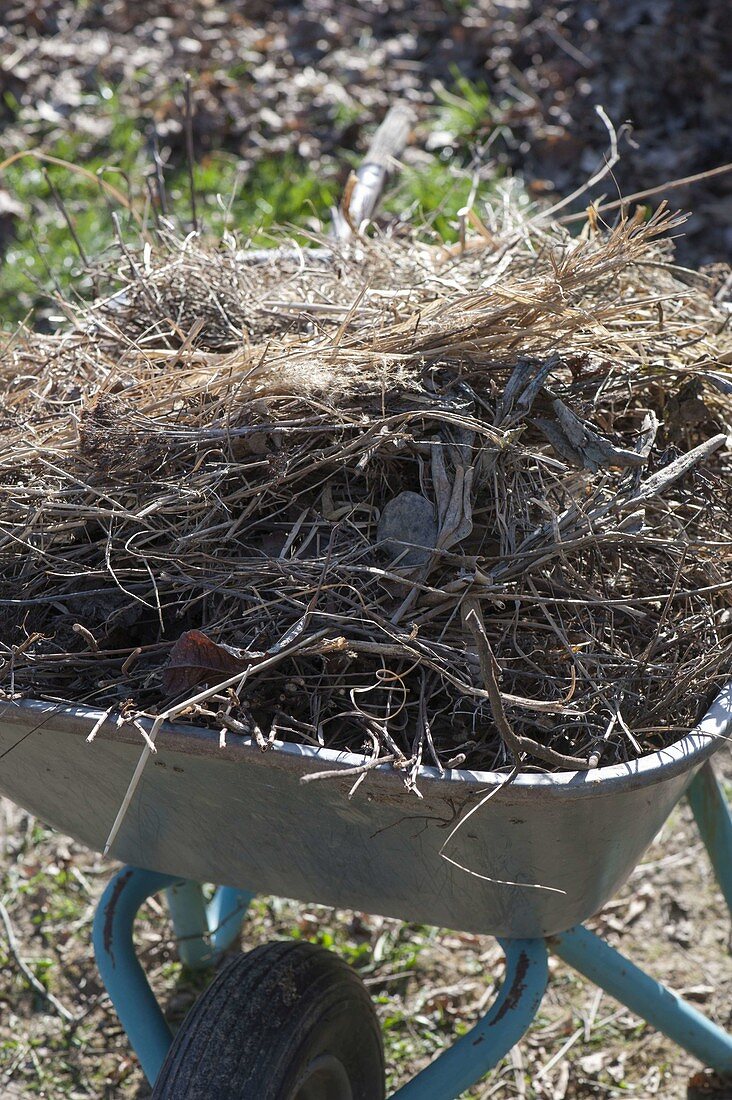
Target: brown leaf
(195,659)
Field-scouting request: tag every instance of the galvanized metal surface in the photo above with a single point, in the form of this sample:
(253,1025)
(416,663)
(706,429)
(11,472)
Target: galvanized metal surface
(240,817)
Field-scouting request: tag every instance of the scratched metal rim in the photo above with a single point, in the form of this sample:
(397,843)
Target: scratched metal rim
(689,752)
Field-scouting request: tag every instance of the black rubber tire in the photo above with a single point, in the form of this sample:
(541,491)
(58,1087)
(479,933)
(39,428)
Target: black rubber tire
(287,1021)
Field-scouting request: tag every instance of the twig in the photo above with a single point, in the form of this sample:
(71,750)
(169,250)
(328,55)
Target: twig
(463,821)
(346,773)
(98,724)
(660,188)
(516,744)
(190,156)
(87,635)
(61,206)
(26,971)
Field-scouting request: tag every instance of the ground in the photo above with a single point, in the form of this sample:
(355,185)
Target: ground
(284,97)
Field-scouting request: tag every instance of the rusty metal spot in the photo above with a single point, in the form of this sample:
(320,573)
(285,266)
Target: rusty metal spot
(517,988)
(110,910)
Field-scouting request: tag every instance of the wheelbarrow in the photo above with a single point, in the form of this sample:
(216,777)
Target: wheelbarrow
(527,862)
(289,1021)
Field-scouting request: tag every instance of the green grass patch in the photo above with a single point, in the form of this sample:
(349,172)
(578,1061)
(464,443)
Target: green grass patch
(44,263)
(465,110)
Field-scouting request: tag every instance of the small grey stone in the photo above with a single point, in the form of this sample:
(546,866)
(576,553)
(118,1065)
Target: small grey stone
(408,523)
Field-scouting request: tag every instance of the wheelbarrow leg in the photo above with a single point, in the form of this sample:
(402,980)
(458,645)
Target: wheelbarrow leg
(203,932)
(714,822)
(467,1060)
(624,981)
(123,977)
(647,998)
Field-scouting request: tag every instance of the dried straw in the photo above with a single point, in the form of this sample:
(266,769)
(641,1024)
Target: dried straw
(212,446)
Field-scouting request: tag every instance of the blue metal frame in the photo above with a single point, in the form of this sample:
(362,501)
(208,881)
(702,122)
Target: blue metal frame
(647,998)
(123,977)
(205,930)
(466,1061)
(714,821)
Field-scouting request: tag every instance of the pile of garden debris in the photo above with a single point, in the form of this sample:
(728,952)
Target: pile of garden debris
(446,506)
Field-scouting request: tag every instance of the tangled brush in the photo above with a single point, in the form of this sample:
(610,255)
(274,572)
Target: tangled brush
(440,506)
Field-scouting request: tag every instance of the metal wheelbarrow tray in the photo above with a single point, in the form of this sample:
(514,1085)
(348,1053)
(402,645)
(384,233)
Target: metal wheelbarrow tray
(559,844)
(545,852)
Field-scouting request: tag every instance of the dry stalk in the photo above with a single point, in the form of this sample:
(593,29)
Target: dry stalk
(212,445)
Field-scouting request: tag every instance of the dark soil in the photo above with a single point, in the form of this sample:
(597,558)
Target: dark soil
(311,79)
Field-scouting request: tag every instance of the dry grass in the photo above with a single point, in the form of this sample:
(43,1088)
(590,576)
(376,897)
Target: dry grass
(212,446)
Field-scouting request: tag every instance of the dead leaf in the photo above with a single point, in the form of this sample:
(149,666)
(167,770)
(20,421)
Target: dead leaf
(454,507)
(195,659)
(578,443)
(522,388)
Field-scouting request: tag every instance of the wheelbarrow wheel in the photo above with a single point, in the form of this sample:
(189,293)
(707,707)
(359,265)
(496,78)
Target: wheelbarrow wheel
(287,1021)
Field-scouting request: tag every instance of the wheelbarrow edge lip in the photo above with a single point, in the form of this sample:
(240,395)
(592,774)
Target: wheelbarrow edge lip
(683,755)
